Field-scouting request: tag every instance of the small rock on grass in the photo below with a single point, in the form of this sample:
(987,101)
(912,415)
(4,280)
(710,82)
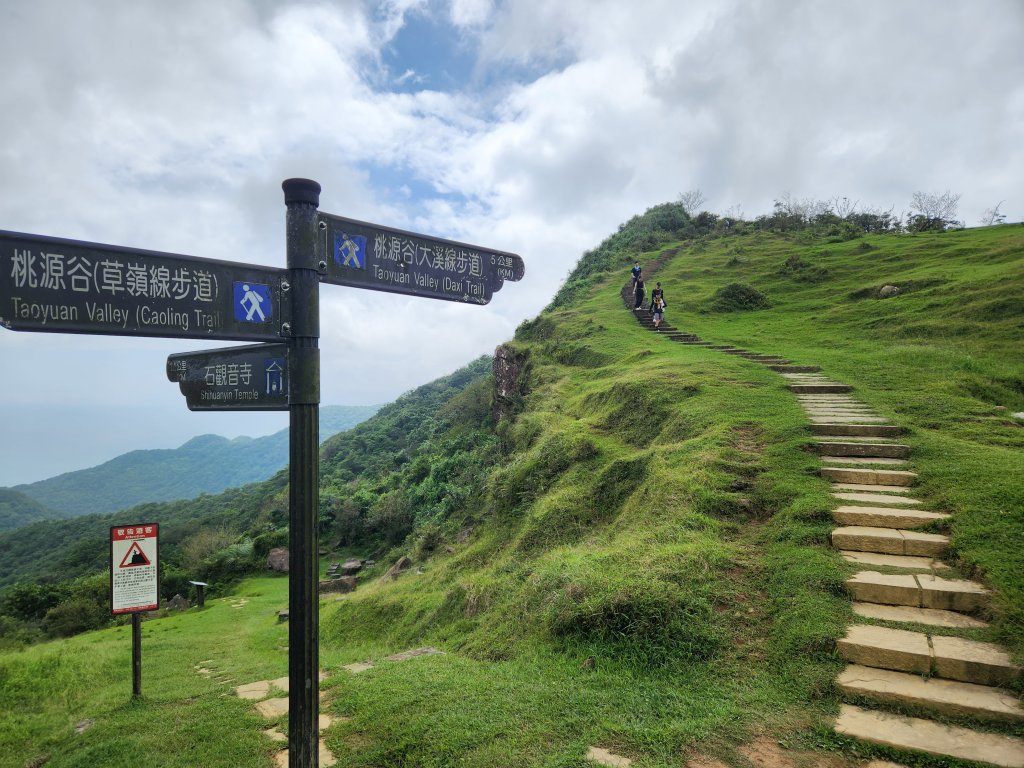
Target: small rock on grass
(602,756)
(84,725)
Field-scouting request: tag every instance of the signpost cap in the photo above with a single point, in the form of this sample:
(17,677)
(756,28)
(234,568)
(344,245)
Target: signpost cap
(301,191)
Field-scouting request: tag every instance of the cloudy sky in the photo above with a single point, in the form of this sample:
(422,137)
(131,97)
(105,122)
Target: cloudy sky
(531,126)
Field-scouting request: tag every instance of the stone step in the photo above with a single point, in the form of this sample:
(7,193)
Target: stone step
(901,562)
(851,419)
(929,616)
(885,648)
(886,517)
(810,388)
(869,439)
(869,476)
(857,430)
(900,490)
(794,368)
(947,697)
(876,461)
(889,541)
(721,347)
(874,450)
(951,658)
(918,590)
(917,735)
(866,497)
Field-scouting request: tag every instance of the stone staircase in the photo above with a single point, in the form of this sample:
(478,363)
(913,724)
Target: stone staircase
(912,669)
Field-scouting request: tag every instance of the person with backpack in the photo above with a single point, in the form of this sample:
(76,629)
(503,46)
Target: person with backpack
(658,305)
(637,270)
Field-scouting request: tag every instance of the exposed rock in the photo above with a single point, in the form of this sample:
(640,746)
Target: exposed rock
(888,290)
(368,563)
(509,369)
(178,603)
(401,565)
(351,567)
(342,584)
(84,725)
(277,560)
(406,655)
(463,535)
(38,762)
(282,616)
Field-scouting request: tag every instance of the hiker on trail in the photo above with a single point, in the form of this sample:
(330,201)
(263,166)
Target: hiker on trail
(637,269)
(638,293)
(657,311)
(658,305)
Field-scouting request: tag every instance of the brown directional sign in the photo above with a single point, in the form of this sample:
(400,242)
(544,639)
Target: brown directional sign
(248,378)
(67,286)
(384,259)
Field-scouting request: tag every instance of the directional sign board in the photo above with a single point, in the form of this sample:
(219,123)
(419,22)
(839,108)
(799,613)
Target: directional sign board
(248,378)
(134,568)
(68,286)
(384,259)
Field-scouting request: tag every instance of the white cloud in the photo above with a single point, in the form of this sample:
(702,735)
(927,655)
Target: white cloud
(171,126)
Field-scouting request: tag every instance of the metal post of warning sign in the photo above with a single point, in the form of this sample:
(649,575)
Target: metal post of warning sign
(302,197)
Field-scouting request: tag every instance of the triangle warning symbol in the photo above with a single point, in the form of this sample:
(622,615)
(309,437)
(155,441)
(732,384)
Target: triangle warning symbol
(134,556)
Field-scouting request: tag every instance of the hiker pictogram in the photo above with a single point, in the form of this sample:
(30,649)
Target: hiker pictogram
(134,556)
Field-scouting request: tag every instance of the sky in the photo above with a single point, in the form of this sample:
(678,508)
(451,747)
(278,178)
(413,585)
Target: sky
(529,126)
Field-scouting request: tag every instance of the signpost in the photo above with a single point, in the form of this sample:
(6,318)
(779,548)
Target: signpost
(66,286)
(135,582)
(248,378)
(384,259)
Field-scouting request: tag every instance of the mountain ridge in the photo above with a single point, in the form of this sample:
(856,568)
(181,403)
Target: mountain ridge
(207,463)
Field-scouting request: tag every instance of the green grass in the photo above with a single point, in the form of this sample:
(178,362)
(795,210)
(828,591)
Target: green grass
(945,359)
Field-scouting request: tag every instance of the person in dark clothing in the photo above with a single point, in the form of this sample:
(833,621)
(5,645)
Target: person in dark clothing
(657,293)
(637,270)
(638,293)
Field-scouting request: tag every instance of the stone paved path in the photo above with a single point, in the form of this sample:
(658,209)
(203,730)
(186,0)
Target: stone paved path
(929,669)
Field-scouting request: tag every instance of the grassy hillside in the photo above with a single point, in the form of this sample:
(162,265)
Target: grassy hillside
(944,358)
(204,464)
(17,509)
(637,558)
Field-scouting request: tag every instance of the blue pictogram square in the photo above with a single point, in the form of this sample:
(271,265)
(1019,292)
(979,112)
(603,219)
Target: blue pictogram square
(252,303)
(350,250)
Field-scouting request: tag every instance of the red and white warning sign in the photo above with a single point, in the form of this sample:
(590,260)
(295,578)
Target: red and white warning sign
(134,568)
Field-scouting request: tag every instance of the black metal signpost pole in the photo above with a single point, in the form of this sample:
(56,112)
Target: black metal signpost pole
(136,656)
(302,197)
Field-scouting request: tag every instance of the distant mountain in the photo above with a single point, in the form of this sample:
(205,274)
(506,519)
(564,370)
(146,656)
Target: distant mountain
(205,464)
(17,509)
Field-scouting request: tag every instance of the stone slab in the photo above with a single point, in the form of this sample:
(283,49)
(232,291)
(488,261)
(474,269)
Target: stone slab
(886,648)
(887,588)
(869,461)
(846,420)
(866,497)
(902,562)
(862,449)
(272,709)
(859,430)
(871,488)
(869,476)
(918,544)
(886,517)
(948,697)
(253,691)
(864,539)
(906,613)
(951,594)
(794,368)
(602,756)
(812,388)
(927,736)
(972,661)
(357,667)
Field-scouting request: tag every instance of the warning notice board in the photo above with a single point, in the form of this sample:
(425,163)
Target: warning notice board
(134,568)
